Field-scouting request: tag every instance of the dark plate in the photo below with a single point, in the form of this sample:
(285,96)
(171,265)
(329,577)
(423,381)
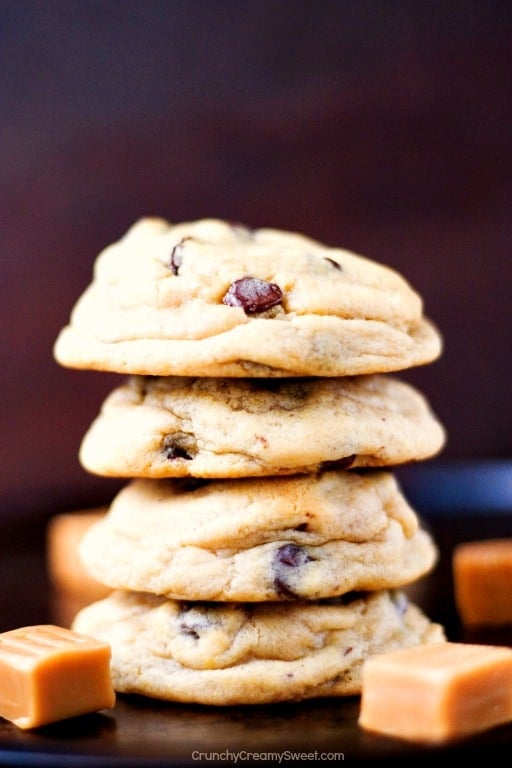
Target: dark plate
(141,732)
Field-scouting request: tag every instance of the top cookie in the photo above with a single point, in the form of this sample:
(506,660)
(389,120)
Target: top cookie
(208,298)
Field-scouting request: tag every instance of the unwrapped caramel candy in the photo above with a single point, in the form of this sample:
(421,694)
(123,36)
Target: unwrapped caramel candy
(65,568)
(439,692)
(48,673)
(482,581)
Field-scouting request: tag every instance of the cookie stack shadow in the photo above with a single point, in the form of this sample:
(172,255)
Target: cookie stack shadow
(261,547)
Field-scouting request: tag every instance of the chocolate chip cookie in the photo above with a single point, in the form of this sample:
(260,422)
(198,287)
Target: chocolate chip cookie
(280,538)
(207,427)
(208,298)
(227,654)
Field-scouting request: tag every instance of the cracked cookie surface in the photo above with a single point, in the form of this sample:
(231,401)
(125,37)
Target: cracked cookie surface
(301,537)
(225,654)
(176,427)
(207,298)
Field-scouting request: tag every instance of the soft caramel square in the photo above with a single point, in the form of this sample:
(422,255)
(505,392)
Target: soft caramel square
(66,570)
(48,673)
(437,692)
(482,578)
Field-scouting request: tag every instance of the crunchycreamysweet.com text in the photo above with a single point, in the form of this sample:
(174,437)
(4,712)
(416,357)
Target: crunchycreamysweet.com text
(241,756)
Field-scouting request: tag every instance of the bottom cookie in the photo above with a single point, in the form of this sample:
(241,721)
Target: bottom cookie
(238,653)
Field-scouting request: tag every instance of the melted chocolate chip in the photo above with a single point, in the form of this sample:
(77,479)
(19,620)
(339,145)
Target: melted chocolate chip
(176,452)
(193,621)
(292,555)
(335,264)
(253,295)
(190,631)
(343,463)
(179,446)
(288,556)
(282,590)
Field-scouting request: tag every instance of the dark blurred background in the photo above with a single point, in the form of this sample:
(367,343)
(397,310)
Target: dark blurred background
(382,127)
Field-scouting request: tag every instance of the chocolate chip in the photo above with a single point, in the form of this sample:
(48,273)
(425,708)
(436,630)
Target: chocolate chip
(292,555)
(176,258)
(176,452)
(190,631)
(343,463)
(179,446)
(335,264)
(193,622)
(253,295)
(286,557)
(282,590)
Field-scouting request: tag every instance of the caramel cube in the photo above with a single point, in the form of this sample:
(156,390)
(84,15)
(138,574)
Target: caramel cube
(482,580)
(66,570)
(48,673)
(437,692)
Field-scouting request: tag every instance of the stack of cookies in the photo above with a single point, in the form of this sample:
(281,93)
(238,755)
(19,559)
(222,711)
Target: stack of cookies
(260,548)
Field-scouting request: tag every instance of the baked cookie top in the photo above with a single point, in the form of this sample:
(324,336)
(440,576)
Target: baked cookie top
(207,298)
(226,654)
(209,427)
(279,538)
